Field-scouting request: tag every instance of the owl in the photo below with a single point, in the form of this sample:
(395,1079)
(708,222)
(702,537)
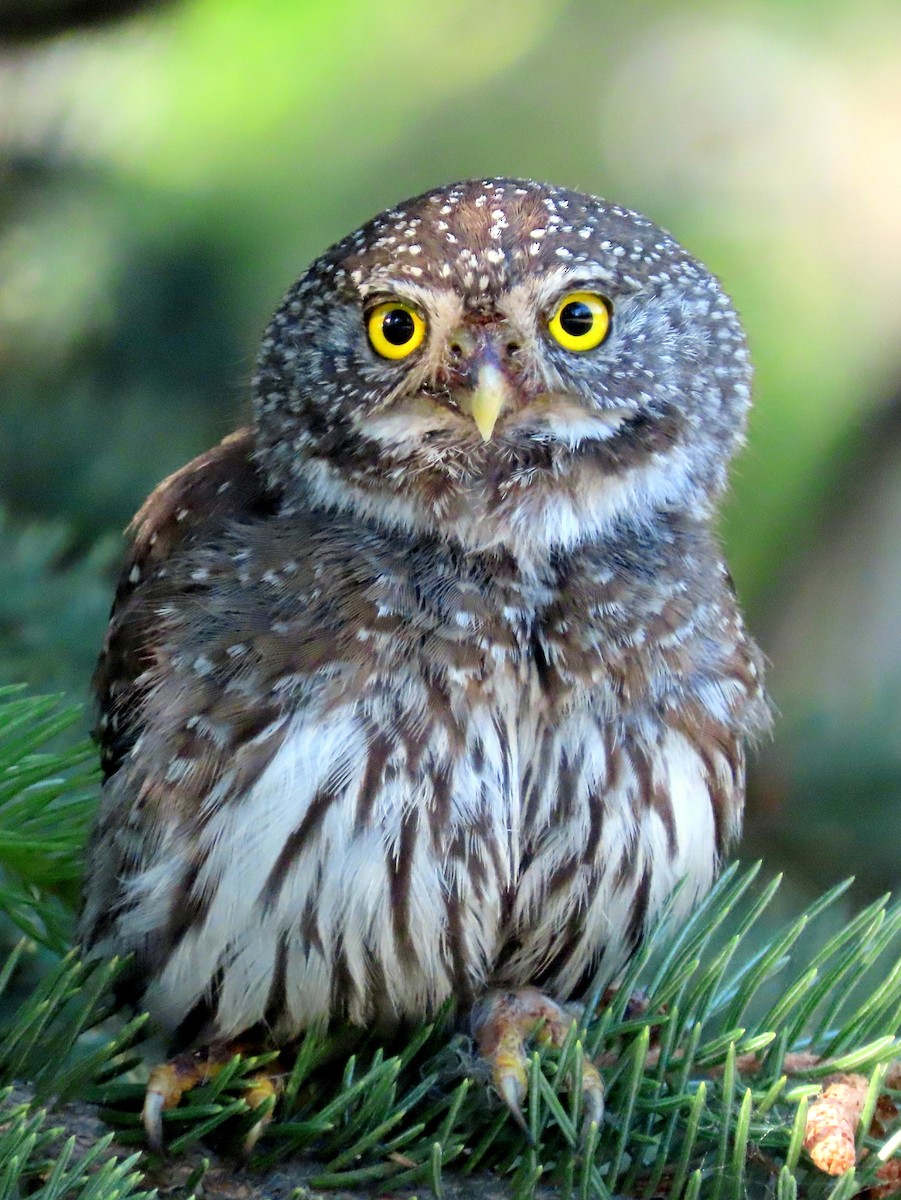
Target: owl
(431,683)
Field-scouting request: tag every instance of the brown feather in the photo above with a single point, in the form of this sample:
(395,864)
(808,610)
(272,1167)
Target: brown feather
(187,508)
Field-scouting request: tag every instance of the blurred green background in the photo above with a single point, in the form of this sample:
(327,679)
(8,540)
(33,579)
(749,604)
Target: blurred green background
(167,169)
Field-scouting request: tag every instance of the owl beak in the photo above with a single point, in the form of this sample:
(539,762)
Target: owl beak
(487,400)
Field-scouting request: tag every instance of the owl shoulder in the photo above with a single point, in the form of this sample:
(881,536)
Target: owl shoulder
(187,509)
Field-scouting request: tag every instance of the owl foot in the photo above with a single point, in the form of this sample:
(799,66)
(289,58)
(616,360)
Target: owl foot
(502,1023)
(171,1080)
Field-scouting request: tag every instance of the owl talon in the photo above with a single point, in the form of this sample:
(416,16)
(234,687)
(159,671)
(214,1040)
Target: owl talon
(170,1081)
(502,1022)
(152,1116)
(254,1134)
(264,1088)
(592,1096)
(167,1084)
(511,1087)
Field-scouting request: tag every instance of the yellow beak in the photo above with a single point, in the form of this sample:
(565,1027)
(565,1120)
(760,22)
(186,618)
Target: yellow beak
(488,399)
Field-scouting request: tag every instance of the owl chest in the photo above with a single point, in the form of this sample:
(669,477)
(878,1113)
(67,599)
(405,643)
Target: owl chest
(429,835)
(478,734)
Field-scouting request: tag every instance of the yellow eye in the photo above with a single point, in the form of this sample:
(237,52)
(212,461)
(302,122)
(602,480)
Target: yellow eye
(581,321)
(395,329)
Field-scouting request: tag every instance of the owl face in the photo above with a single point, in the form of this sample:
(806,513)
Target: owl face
(503,362)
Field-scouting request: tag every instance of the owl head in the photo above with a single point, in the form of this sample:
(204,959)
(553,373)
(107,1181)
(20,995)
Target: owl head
(503,363)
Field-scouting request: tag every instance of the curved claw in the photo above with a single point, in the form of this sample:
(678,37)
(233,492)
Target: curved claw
(254,1134)
(152,1116)
(264,1090)
(170,1081)
(167,1084)
(501,1043)
(501,1023)
(592,1095)
(512,1087)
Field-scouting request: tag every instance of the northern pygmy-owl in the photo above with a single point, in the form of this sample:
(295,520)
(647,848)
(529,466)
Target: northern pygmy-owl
(432,681)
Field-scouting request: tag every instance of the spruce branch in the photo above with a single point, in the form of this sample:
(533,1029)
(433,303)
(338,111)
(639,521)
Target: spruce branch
(697,1104)
(47,798)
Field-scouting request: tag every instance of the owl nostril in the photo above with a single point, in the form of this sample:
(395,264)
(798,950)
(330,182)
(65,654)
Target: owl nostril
(456,350)
(512,349)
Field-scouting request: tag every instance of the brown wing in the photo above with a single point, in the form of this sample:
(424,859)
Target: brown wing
(218,487)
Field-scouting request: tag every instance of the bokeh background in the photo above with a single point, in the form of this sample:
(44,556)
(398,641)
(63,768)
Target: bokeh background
(167,169)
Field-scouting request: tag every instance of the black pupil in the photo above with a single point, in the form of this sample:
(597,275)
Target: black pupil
(576,319)
(398,326)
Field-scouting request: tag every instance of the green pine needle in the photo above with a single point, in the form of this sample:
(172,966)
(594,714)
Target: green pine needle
(47,800)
